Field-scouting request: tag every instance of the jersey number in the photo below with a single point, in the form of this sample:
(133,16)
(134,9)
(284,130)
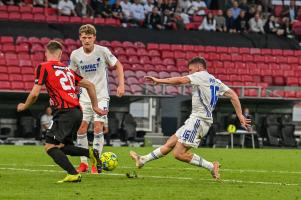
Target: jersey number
(66,80)
(214,97)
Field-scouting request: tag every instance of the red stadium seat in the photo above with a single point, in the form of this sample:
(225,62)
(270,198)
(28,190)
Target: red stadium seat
(140,74)
(4,77)
(3,15)
(246,78)
(270,59)
(44,40)
(164,74)
(99,21)
(233,50)
(127,44)
(164,47)
(145,60)
(22,48)
(156,60)
(190,55)
(139,45)
(28,78)
(152,46)
(244,50)
(15,85)
(14,70)
(248,58)
(292,60)
(14,16)
(176,47)
(134,60)
(179,54)
(38,10)
(28,85)
(255,51)
(237,57)
(266,51)
(152,73)
(4,85)
(167,54)
(63,19)
(116,44)
(27,70)
(13,8)
(129,73)
(209,49)
(292,81)
(15,77)
(171,90)
(287,73)
(222,49)
(6,39)
(138,66)
(279,81)
(87,20)
(149,67)
(25,9)
(12,62)
(290,94)
(136,89)
(112,22)
(9,48)
(51,19)
(3,8)
(251,92)
(168,61)
(142,52)
(268,79)
(288,53)
(37,48)
(76,20)
(3,69)
(188,48)
(154,53)
(242,71)
(27,16)
(132,80)
(277,52)
(130,51)
(225,57)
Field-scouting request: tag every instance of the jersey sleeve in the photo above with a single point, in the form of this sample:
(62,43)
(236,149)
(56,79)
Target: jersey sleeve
(195,78)
(110,58)
(72,63)
(40,75)
(77,78)
(222,89)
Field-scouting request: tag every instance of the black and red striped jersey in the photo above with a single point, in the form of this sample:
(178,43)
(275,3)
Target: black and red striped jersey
(60,83)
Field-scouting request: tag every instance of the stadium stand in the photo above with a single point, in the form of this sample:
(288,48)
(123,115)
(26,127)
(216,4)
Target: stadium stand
(251,72)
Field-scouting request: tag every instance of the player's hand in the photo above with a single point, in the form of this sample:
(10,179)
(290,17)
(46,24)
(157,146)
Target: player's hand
(20,107)
(120,90)
(154,80)
(245,123)
(99,111)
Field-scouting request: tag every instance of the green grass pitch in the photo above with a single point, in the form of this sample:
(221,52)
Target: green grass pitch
(26,172)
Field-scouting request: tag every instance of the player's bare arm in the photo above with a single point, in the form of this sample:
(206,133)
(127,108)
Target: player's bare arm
(31,99)
(92,94)
(236,104)
(120,75)
(171,81)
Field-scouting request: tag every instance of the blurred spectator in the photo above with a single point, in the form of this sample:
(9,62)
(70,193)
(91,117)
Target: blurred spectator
(272,26)
(166,19)
(105,9)
(159,5)
(83,9)
(256,24)
(220,22)
(117,10)
(137,12)
(1,3)
(179,23)
(242,22)
(209,23)
(230,22)
(286,26)
(183,16)
(197,7)
(290,11)
(126,9)
(229,4)
(183,6)
(244,5)
(66,8)
(251,13)
(169,5)
(148,7)
(235,10)
(153,20)
(259,9)
(46,121)
(38,3)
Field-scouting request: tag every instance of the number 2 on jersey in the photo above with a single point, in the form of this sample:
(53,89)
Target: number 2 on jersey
(214,97)
(67,80)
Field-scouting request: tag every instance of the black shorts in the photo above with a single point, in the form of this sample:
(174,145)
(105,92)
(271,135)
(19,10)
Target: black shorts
(66,122)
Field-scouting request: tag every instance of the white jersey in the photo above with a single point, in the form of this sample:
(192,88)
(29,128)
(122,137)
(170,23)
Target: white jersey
(205,92)
(93,67)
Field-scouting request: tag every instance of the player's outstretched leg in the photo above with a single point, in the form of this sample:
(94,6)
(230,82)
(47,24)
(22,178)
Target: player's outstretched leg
(181,152)
(156,154)
(60,158)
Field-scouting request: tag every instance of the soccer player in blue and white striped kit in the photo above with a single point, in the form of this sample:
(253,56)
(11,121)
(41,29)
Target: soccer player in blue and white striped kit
(205,93)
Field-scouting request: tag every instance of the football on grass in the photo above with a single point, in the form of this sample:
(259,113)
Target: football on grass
(109,161)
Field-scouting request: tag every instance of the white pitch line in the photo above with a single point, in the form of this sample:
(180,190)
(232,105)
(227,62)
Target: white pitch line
(186,168)
(168,177)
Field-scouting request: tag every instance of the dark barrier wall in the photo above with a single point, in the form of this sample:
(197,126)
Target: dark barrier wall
(140,34)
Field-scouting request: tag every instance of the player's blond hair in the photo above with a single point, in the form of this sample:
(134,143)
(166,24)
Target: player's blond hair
(88,29)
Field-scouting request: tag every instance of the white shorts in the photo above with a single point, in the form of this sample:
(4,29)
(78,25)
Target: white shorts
(191,133)
(88,113)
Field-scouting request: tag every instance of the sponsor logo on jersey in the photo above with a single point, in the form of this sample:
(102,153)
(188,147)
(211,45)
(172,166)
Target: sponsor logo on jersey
(58,67)
(90,67)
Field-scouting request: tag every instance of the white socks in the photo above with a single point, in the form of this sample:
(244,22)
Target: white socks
(156,154)
(198,161)
(82,141)
(98,142)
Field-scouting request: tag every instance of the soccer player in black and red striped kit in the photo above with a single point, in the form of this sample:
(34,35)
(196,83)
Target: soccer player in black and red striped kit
(60,83)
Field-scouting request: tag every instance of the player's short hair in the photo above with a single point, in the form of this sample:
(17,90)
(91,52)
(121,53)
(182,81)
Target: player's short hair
(88,29)
(198,60)
(53,46)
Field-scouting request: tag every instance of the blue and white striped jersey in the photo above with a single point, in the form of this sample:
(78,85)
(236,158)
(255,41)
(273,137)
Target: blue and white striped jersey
(205,92)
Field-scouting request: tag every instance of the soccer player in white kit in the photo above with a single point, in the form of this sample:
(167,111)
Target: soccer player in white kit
(205,93)
(92,62)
